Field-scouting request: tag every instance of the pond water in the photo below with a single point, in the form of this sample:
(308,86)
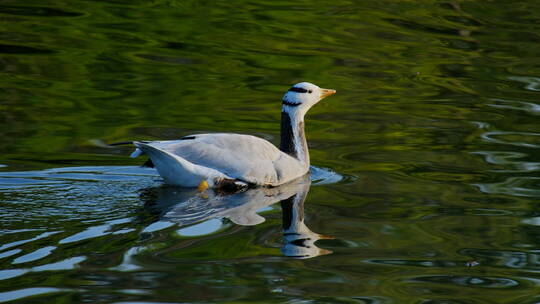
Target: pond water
(426,163)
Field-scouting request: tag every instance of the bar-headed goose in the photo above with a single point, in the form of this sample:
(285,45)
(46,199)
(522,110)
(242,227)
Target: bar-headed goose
(226,159)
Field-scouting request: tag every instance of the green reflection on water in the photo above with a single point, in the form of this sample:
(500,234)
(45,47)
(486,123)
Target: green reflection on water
(435,126)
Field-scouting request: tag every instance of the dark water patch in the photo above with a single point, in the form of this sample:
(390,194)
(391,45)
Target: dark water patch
(422,27)
(167,59)
(465,20)
(23,50)
(36,11)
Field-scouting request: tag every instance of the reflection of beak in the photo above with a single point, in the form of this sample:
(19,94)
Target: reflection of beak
(326,237)
(325,251)
(327,92)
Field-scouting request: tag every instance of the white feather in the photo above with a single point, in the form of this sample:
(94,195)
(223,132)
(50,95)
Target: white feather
(235,156)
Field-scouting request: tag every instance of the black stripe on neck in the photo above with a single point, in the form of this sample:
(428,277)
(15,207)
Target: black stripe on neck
(287,135)
(289,132)
(290,104)
(299,90)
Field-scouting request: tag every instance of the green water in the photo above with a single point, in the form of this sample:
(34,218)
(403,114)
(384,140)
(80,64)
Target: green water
(433,137)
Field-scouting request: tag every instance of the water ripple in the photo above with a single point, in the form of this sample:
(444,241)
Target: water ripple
(469,281)
(36,255)
(95,231)
(509,159)
(28,292)
(532,83)
(521,139)
(528,107)
(17,243)
(526,186)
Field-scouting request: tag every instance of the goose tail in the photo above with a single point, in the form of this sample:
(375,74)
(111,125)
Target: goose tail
(135,153)
(176,170)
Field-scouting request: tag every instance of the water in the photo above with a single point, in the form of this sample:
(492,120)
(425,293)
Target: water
(426,177)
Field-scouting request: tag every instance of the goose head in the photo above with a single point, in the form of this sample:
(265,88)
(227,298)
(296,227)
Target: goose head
(302,96)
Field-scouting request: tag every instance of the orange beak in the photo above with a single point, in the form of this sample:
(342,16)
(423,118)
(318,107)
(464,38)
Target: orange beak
(327,92)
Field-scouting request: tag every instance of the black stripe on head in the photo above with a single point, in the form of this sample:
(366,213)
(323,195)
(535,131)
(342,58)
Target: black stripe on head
(298,90)
(290,104)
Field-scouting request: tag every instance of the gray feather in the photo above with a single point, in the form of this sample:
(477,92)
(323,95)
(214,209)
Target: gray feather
(245,157)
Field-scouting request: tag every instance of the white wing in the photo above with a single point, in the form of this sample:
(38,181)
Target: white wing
(245,157)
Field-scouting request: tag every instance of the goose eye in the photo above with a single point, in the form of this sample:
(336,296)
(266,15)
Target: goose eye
(310,91)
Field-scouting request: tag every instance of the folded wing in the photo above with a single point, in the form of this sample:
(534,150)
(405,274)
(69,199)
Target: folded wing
(244,157)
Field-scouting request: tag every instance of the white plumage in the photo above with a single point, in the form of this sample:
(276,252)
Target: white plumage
(242,159)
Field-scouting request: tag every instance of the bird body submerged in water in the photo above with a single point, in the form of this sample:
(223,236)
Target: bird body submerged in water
(221,159)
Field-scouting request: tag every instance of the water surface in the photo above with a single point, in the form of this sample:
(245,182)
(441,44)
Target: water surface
(433,135)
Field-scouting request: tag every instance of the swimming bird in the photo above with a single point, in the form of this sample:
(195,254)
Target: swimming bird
(222,160)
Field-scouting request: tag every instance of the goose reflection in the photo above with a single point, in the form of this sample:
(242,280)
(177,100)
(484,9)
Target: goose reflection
(299,240)
(186,207)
